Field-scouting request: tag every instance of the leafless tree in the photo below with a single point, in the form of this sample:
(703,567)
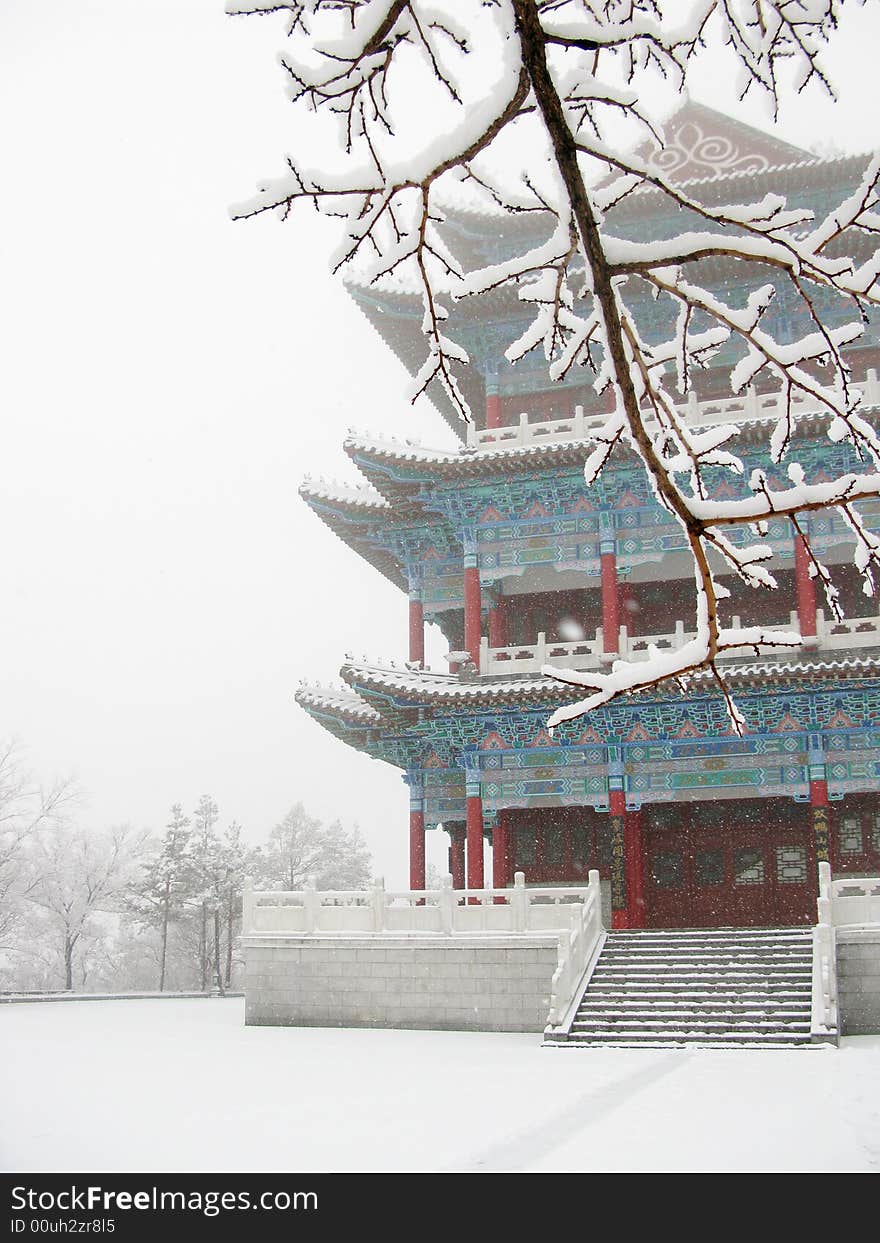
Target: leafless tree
(534,106)
(25,807)
(78,876)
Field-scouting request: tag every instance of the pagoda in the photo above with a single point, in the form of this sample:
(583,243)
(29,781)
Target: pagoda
(502,545)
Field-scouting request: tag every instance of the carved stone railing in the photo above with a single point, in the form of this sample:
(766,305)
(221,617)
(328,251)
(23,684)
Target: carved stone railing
(698,413)
(528,658)
(444,910)
(825,1019)
(855,900)
(579,949)
(852,632)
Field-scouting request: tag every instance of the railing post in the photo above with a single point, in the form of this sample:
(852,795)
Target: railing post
(484,655)
(519,902)
(377,902)
(523,436)
(872,388)
(579,422)
(446,903)
(311,905)
(595,886)
(824,901)
(247,907)
(821,628)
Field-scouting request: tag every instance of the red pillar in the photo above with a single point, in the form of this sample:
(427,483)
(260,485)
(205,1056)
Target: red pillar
(456,856)
(617,817)
(498,623)
(472,606)
(635,869)
(493,409)
(474,841)
(416,631)
(610,600)
(806,588)
(416,849)
(501,852)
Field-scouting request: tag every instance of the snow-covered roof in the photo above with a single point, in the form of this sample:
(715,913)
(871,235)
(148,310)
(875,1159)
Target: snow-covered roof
(429,687)
(338,701)
(360,496)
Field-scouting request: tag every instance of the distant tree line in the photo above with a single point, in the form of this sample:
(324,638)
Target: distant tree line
(130,910)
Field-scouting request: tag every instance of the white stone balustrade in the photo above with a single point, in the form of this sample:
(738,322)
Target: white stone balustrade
(698,413)
(825,1018)
(855,900)
(444,910)
(579,948)
(522,658)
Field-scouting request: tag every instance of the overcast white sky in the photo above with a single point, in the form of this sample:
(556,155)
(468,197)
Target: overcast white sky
(167,378)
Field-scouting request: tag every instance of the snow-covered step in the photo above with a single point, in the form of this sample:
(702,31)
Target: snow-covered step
(721,987)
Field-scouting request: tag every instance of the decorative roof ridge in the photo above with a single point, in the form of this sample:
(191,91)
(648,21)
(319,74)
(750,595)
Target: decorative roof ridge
(409,449)
(443,687)
(413,451)
(347,494)
(371,665)
(335,696)
(492,212)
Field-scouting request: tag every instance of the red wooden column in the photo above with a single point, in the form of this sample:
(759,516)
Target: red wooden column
(493,403)
(498,621)
(472,607)
(610,591)
(501,852)
(474,805)
(806,589)
(416,837)
(635,869)
(416,627)
(456,855)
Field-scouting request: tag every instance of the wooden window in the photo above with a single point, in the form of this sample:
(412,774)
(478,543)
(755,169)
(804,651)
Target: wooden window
(667,869)
(525,847)
(748,866)
(554,847)
(791,865)
(709,867)
(851,842)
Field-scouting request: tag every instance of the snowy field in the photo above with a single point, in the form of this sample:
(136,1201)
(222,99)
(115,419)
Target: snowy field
(184,1086)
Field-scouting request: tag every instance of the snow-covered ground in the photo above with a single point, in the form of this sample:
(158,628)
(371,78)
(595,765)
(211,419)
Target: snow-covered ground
(185,1086)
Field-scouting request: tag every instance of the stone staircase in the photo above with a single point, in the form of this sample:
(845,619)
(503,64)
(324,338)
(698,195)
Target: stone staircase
(727,987)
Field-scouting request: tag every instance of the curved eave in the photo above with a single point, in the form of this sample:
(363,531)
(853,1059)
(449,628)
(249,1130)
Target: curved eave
(396,316)
(405,688)
(787,177)
(397,469)
(350,523)
(342,713)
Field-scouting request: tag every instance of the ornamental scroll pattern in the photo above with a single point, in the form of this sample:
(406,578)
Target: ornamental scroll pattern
(692,152)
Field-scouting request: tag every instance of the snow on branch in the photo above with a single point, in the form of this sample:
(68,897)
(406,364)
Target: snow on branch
(407,107)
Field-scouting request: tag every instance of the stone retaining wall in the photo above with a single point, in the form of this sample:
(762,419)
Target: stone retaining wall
(486,983)
(858,980)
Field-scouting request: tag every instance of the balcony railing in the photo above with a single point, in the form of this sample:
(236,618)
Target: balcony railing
(852,632)
(698,413)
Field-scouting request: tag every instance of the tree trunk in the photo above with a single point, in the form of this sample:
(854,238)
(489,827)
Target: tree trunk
(217,931)
(165,911)
(230,925)
(68,964)
(203,947)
